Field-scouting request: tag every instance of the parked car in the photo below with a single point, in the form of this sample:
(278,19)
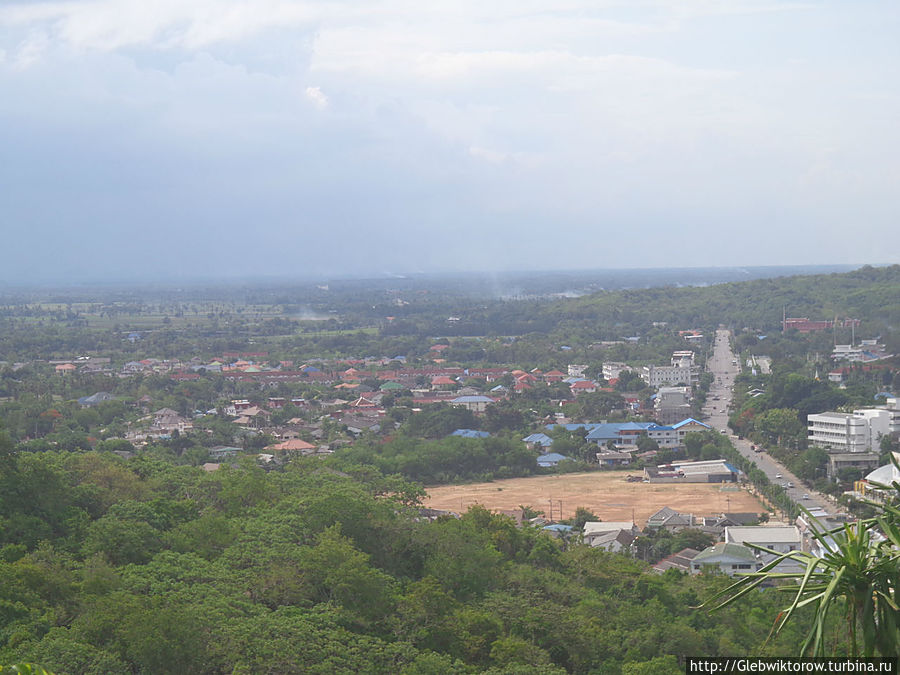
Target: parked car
(805,496)
(778,475)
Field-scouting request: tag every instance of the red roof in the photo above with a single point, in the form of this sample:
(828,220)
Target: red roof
(442,379)
(294,444)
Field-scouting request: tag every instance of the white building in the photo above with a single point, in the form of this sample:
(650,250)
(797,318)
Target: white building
(683,358)
(859,431)
(659,376)
(612,370)
(842,432)
(730,559)
(782,539)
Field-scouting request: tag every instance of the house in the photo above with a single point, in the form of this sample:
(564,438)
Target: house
(470,433)
(537,441)
(782,539)
(95,399)
(550,459)
(357,424)
(477,404)
(65,369)
(680,561)
(583,387)
(597,533)
(610,458)
(443,382)
(292,447)
(615,541)
(670,520)
(727,558)
(558,530)
(223,452)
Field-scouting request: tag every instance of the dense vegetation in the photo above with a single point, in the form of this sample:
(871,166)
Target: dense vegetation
(146,567)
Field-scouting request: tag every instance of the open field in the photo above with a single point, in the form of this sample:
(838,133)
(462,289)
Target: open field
(606,494)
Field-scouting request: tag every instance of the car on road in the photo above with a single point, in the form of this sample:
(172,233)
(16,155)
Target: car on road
(778,475)
(805,496)
(790,484)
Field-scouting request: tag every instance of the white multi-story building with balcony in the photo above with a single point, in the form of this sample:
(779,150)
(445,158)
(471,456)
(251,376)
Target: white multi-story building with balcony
(661,376)
(840,432)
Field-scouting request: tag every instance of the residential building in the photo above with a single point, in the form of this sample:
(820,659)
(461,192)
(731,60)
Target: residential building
(659,376)
(537,441)
(477,404)
(611,535)
(680,561)
(782,539)
(470,433)
(550,459)
(669,519)
(576,370)
(726,558)
(612,370)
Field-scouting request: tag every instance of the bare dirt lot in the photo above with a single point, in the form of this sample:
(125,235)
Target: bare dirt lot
(607,494)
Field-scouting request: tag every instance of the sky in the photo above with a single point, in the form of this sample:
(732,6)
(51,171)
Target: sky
(282,138)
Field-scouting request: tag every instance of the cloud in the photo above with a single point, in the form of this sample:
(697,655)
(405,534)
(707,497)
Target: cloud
(455,133)
(319,99)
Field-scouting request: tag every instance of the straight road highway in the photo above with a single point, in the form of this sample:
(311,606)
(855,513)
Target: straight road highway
(725,367)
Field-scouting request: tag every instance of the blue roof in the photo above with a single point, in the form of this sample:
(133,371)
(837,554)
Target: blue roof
(472,399)
(688,421)
(883,394)
(549,457)
(558,527)
(542,439)
(470,433)
(612,431)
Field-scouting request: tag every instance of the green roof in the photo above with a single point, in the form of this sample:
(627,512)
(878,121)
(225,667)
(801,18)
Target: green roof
(391,385)
(731,550)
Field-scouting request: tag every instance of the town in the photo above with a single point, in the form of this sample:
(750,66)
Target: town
(686,448)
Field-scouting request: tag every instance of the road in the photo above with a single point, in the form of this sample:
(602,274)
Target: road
(723,365)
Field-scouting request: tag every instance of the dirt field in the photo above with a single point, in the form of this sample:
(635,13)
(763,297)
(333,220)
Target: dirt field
(607,494)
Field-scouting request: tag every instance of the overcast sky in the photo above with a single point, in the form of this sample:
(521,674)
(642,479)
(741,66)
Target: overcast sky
(186,138)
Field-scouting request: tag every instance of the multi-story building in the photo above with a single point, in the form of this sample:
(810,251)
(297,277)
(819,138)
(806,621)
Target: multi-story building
(672,404)
(853,440)
(859,431)
(841,432)
(660,376)
(612,370)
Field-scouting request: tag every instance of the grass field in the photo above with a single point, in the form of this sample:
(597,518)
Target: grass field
(607,494)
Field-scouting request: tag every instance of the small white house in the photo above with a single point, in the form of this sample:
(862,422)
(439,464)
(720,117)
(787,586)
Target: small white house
(726,558)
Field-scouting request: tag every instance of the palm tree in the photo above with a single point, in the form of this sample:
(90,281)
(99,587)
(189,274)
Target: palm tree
(857,572)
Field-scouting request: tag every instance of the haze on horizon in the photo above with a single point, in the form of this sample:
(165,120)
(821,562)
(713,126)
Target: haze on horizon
(231,138)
